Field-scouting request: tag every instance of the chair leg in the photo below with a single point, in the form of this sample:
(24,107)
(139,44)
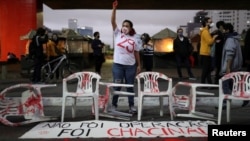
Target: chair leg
(161,105)
(170,107)
(140,99)
(96,108)
(220,110)
(63,108)
(73,108)
(228,110)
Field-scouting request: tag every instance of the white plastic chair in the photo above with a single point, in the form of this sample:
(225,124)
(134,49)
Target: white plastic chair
(28,107)
(187,101)
(87,87)
(240,91)
(150,88)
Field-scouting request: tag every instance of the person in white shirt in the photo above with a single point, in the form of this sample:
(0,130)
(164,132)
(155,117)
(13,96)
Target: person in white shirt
(126,57)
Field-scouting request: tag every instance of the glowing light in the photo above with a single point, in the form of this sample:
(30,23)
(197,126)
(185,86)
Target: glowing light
(164,45)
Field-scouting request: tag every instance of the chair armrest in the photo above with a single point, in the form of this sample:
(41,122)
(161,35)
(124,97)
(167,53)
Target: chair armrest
(123,93)
(44,85)
(204,93)
(197,84)
(108,84)
(194,86)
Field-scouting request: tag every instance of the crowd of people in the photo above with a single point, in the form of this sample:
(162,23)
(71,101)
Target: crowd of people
(219,52)
(42,48)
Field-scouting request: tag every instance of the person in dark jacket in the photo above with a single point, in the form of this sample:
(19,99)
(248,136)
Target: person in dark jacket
(232,58)
(39,39)
(148,52)
(219,43)
(97,46)
(183,49)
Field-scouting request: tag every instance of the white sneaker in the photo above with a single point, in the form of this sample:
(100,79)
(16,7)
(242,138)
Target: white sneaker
(132,109)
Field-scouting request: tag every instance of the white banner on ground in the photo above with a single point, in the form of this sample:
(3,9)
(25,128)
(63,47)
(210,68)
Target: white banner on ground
(115,129)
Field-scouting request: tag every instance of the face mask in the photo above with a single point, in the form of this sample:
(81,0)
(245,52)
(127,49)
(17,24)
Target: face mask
(98,36)
(125,30)
(211,25)
(180,34)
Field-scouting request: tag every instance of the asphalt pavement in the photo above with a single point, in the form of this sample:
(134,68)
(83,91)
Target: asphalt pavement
(239,115)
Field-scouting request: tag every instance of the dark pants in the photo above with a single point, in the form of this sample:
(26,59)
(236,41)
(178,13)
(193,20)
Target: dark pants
(98,63)
(218,67)
(38,62)
(148,62)
(185,61)
(248,67)
(206,69)
(227,86)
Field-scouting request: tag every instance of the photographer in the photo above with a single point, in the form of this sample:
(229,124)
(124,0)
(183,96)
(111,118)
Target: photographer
(39,40)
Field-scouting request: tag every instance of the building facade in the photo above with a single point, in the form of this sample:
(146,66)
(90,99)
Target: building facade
(72,24)
(85,31)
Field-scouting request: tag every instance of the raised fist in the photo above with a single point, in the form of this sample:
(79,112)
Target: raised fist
(115,3)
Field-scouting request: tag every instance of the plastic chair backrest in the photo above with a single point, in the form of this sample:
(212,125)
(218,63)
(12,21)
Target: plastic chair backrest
(240,85)
(85,81)
(150,81)
(30,104)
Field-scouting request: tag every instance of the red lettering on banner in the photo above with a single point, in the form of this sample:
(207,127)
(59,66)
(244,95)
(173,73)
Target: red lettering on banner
(112,131)
(196,130)
(202,131)
(130,131)
(153,131)
(173,131)
(150,131)
(164,131)
(138,131)
(108,129)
